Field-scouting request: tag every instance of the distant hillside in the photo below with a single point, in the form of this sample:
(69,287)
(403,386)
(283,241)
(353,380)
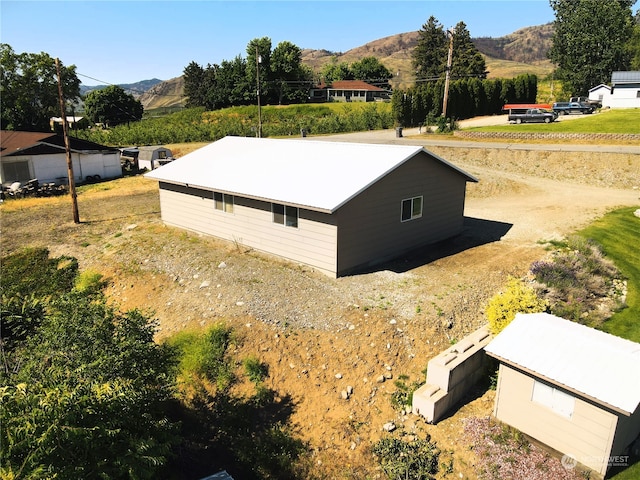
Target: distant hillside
(135,89)
(523,51)
(527,45)
(165,94)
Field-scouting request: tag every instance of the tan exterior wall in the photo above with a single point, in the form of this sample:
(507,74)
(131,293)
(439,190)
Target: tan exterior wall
(588,435)
(312,243)
(370,229)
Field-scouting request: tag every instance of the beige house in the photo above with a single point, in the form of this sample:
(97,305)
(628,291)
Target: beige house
(338,207)
(569,386)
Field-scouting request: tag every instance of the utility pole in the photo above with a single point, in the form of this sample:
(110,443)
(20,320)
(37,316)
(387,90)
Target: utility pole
(448,74)
(65,134)
(258,60)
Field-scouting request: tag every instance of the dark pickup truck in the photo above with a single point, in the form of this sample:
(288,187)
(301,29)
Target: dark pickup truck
(566,108)
(533,115)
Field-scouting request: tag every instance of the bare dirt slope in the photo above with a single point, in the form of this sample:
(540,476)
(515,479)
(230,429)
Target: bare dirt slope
(320,335)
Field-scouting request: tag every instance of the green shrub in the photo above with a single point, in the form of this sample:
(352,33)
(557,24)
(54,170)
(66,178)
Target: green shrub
(407,460)
(203,356)
(89,281)
(255,369)
(31,272)
(516,298)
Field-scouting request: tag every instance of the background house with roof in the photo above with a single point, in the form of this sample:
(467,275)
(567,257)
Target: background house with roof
(338,207)
(597,93)
(27,155)
(573,388)
(348,91)
(624,92)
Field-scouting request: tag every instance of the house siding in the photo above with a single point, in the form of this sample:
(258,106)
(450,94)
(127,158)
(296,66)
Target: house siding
(588,435)
(623,96)
(370,230)
(312,243)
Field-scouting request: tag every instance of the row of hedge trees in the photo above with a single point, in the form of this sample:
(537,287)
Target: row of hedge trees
(198,125)
(468,98)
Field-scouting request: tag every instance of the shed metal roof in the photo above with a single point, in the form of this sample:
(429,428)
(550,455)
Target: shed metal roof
(601,366)
(307,173)
(14,143)
(632,76)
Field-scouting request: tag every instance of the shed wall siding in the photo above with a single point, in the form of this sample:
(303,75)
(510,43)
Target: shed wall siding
(370,227)
(587,435)
(312,243)
(627,431)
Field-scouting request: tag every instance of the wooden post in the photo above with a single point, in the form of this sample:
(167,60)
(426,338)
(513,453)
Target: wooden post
(258,84)
(65,134)
(448,75)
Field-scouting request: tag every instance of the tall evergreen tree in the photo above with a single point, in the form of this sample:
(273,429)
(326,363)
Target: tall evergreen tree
(467,60)
(430,54)
(194,85)
(589,41)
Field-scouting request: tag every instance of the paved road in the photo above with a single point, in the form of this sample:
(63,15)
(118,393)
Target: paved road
(411,136)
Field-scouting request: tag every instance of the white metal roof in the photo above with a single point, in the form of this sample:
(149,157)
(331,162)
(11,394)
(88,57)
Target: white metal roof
(597,364)
(313,174)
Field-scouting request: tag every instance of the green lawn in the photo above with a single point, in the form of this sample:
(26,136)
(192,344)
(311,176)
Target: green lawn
(618,232)
(605,121)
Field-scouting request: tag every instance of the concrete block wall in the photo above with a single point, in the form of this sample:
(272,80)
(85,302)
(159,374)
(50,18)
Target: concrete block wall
(450,375)
(594,137)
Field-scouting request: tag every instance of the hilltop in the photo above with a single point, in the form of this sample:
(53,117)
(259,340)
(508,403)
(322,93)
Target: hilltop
(523,51)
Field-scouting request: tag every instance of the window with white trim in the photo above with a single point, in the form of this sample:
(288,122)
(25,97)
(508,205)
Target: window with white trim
(411,209)
(560,402)
(223,202)
(285,215)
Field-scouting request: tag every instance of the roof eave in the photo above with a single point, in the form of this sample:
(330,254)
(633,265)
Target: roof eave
(561,385)
(244,195)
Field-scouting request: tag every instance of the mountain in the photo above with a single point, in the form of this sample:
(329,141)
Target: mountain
(523,51)
(527,45)
(135,89)
(165,94)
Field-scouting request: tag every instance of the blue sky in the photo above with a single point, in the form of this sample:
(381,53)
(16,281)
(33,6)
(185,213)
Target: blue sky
(118,41)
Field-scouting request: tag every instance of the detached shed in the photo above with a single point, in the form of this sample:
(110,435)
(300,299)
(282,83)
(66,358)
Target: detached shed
(571,387)
(337,207)
(152,157)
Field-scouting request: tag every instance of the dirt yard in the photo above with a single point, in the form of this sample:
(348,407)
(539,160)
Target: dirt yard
(320,335)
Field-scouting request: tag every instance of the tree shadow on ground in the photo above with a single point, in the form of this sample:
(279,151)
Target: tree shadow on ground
(247,437)
(476,232)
